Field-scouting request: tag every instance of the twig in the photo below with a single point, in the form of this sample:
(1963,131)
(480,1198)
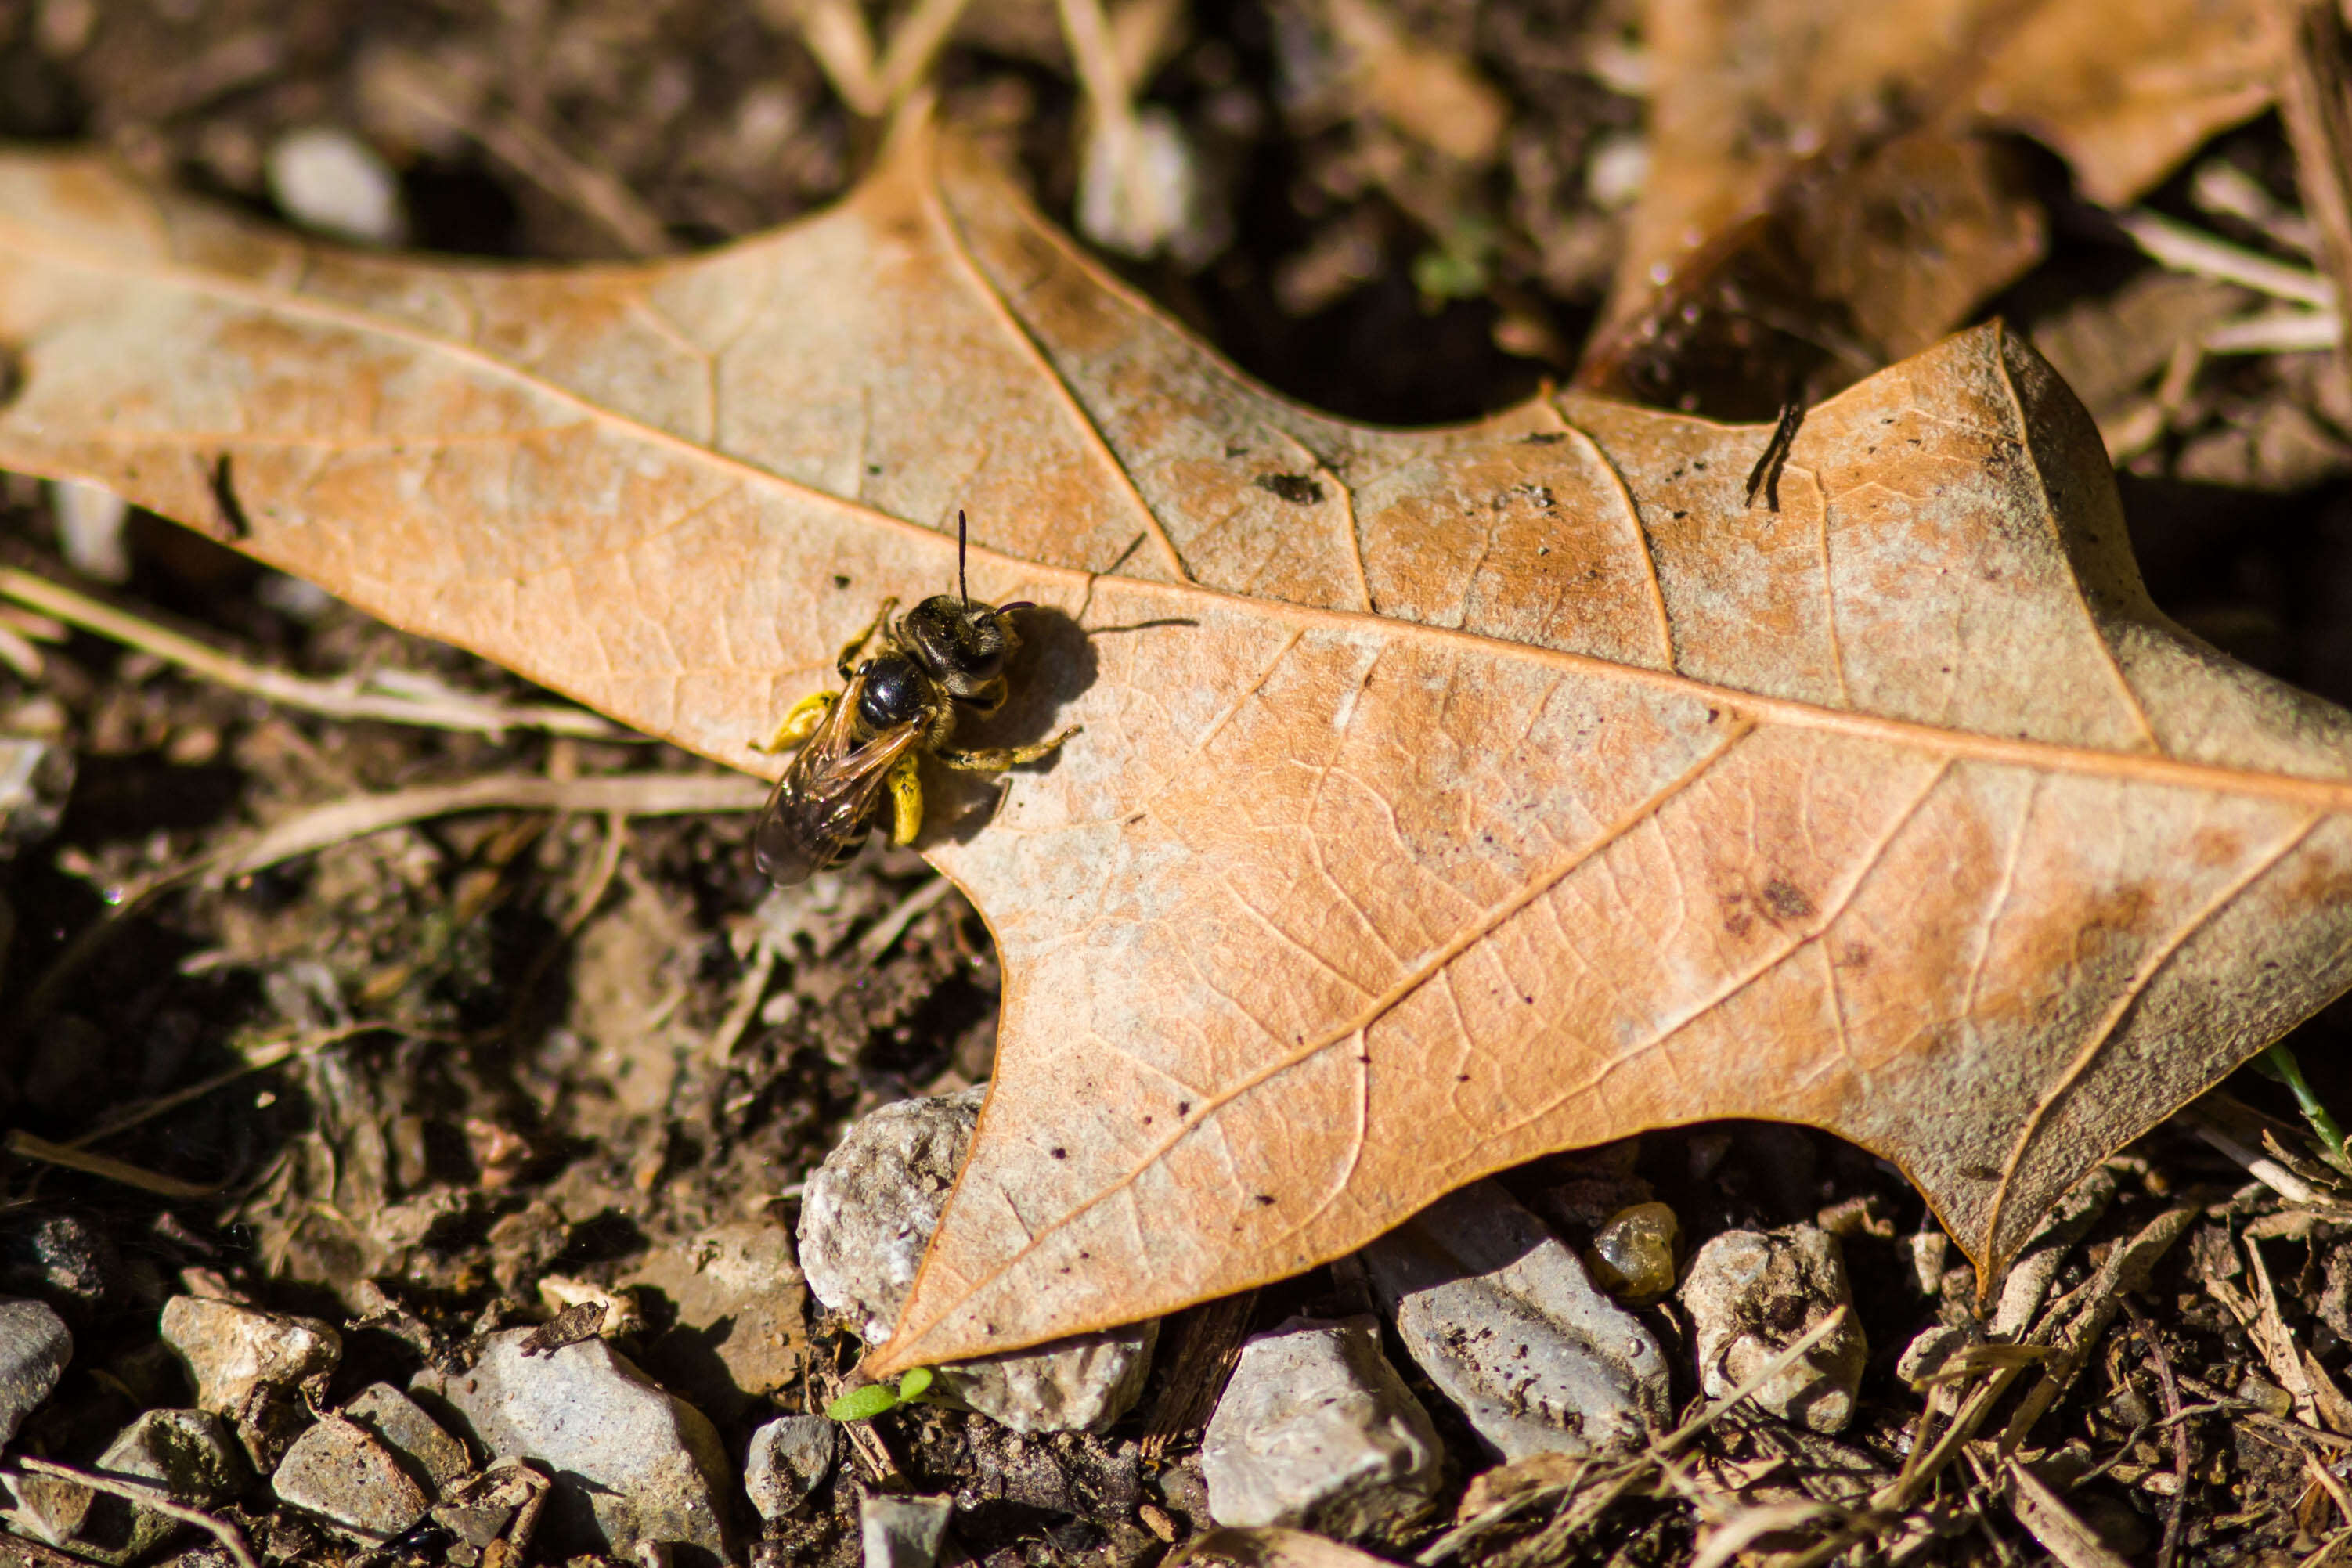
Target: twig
(2319,129)
(148,1494)
(2220,187)
(260,1058)
(906,59)
(837,36)
(2276,332)
(1748,1526)
(1101,77)
(624,795)
(2277,1343)
(2329,1482)
(28,1146)
(1793,1353)
(595,193)
(600,875)
(2192,250)
(2049,1520)
(2262,1167)
(91,940)
(885,931)
(748,993)
(2183,1455)
(423,705)
(2332,1552)
(1609,1484)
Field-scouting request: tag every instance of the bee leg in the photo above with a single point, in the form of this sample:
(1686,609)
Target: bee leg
(801,723)
(905,800)
(846,660)
(997,758)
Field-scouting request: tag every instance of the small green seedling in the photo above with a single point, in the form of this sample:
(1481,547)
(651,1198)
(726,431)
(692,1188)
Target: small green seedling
(2279,1062)
(1460,266)
(865,1404)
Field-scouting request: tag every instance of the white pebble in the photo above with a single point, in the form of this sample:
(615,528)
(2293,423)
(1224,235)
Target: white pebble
(329,180)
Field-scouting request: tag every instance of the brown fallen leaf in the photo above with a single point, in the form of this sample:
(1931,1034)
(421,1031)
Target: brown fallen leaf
(1827,189)
(1445,798)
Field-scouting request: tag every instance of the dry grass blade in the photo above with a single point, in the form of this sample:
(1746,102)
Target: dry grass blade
(2272,1337)
(878,939)
(630,795)
(2050,1521)
(2276,332)
(1268,1546)
(1593,1491)
(2262,1167)
(148,1494)
(2083,1315)
(257,1059)
(2176,1423)
(424,704)
(2333,1552)
(2318,117)
(2191,250)
(594,191)
(32,1147)
(1744,1529)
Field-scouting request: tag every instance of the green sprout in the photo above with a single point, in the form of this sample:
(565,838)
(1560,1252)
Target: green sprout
(2279,1062)
(865,1404)
(1460,266)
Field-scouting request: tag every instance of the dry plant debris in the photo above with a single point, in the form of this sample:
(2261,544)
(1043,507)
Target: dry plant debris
(1445,799)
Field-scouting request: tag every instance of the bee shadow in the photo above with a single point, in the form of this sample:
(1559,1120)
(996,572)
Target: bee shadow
(1054,666)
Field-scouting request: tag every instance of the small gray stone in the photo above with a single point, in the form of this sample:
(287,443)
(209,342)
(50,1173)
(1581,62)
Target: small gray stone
(34,1349)
(502,1502)
(741,1314)
(91,532)
(231,1350)
(903,1531)
(790,1459)
(867,1219)
(1505,1321)
(435,1459)
(1315,1430)
(1931,1349)
(190,1452)
(339,1472)
(193,1452)
(632,1463)
(1751,1295)
(93,1524)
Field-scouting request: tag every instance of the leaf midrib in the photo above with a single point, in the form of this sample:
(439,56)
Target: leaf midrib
(2323,794)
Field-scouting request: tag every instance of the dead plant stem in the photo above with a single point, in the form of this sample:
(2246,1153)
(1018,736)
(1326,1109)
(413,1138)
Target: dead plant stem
(149,1495)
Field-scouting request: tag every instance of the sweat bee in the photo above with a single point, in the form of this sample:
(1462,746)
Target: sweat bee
(941,660)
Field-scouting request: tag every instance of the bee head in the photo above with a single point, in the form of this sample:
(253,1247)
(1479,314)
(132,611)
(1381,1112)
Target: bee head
(962,645)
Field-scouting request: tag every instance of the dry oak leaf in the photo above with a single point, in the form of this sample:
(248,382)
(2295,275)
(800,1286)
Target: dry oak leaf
(1445,798)
(1829,173)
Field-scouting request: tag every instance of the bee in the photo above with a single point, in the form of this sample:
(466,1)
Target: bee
(941,660)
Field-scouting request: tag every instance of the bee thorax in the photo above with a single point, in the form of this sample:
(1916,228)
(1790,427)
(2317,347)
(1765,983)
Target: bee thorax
(895,692)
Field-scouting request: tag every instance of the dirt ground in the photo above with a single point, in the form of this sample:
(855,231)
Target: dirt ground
(460,1057)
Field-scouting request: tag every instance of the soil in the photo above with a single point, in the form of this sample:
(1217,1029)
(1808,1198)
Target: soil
(493,1044)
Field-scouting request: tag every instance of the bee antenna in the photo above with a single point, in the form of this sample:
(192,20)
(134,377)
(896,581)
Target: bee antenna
(962,591)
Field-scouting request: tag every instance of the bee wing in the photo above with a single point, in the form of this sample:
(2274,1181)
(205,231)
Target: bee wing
(825,795)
